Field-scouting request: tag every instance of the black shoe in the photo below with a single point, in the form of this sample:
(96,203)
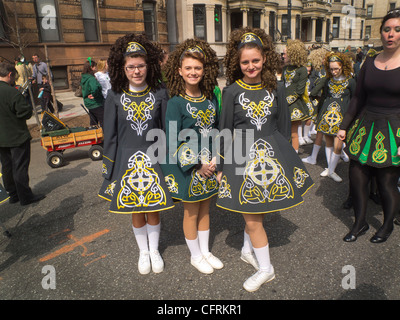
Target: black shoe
(351,237)
(34,199)
(374,196)
(380,239)
(13,199)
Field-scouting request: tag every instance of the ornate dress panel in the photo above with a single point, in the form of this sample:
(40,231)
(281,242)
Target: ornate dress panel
(133,180)
(261,170)
(189,125)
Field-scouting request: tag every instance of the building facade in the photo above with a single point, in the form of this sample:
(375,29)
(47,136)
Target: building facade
(70,31)
(337,23)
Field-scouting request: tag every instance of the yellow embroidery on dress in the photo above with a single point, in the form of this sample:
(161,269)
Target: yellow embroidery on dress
(104,169)
(187,156)
(289,75)
(355,145)
(110,188)
(337,88)
(224,189)
(296,114)
(199,185)
(140,185)
(205,120)
(138,114)
(257,112)
(380,154)
(171,183)
(264,178)
(331,119)
(299,177)
(350,133)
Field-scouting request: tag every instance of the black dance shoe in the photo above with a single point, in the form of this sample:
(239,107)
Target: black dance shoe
(351,237)
(380,239)
(35,198)
(348,204)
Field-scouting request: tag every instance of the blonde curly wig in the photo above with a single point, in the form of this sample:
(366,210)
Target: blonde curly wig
(316,57)
(297,53)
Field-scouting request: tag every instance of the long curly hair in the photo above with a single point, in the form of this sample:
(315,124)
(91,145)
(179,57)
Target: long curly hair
(175,82)
(116,62)
(232,57)
(316,57)
(347,68)
(297,53)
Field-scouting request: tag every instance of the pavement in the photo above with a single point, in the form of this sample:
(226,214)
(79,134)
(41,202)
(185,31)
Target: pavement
(69,247)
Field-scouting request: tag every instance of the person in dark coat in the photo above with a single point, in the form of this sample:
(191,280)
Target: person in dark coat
(15,146)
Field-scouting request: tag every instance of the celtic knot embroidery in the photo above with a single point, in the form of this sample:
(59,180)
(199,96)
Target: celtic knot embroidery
(139,115)
(258,113)
(205,120)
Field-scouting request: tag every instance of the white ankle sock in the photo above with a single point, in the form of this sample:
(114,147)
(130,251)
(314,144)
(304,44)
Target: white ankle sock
(141,237)
(262,255)
(333,163)
(300,131)
(194,248)
(153,233)
(203,237)
(247,247)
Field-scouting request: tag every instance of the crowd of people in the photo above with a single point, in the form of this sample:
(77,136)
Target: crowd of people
(242,146)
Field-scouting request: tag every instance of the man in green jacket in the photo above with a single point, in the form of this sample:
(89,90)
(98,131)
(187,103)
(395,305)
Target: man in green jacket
(15,139)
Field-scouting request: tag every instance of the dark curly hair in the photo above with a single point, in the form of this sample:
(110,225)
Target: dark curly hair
(175,82)
(346,65)
(232,58)
(116,62)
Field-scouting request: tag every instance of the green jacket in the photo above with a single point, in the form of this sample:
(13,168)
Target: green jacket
(90,85)
(14,111)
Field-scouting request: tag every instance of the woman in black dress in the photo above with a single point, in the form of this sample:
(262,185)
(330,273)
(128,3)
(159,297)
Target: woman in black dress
(371,128)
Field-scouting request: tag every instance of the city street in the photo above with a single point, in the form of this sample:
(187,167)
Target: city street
(68,246)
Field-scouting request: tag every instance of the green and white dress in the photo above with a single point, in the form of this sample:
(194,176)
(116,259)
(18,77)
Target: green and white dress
(189,126)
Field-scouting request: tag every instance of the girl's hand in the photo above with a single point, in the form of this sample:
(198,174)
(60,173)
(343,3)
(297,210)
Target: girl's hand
(341,135)
(219,176)
(90,96)
(398,151)
(206,170)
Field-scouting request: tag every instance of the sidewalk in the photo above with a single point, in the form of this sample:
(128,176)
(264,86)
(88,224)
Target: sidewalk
(72,106)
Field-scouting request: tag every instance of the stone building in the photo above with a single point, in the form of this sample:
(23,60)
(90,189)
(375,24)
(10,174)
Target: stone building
(73,30)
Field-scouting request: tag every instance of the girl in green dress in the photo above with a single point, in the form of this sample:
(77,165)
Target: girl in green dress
(192,114)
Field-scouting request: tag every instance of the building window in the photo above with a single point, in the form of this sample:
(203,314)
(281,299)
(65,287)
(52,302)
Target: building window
(272,19)
(298,26)
(336,27)
(150,20)
(47,20)
(285,25)
(218,23)
(362,29)
(3,33)
(368,32)
(369,10)
(199,21)
(89,20)
(256,19)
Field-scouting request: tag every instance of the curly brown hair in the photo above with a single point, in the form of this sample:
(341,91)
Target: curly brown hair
(316,57)
(175,82)
(347,68)
(116,62)
(297,53)
(232,58)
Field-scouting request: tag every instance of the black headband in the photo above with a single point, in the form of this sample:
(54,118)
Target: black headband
(135,47)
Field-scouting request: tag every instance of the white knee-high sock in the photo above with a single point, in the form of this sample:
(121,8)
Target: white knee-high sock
(300,131)
(203,237)
(194,248)
(333,163)
(328,153)
(153,233)
(141,237)
(307,130)
(247,246)
(315,150)
(262,255)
